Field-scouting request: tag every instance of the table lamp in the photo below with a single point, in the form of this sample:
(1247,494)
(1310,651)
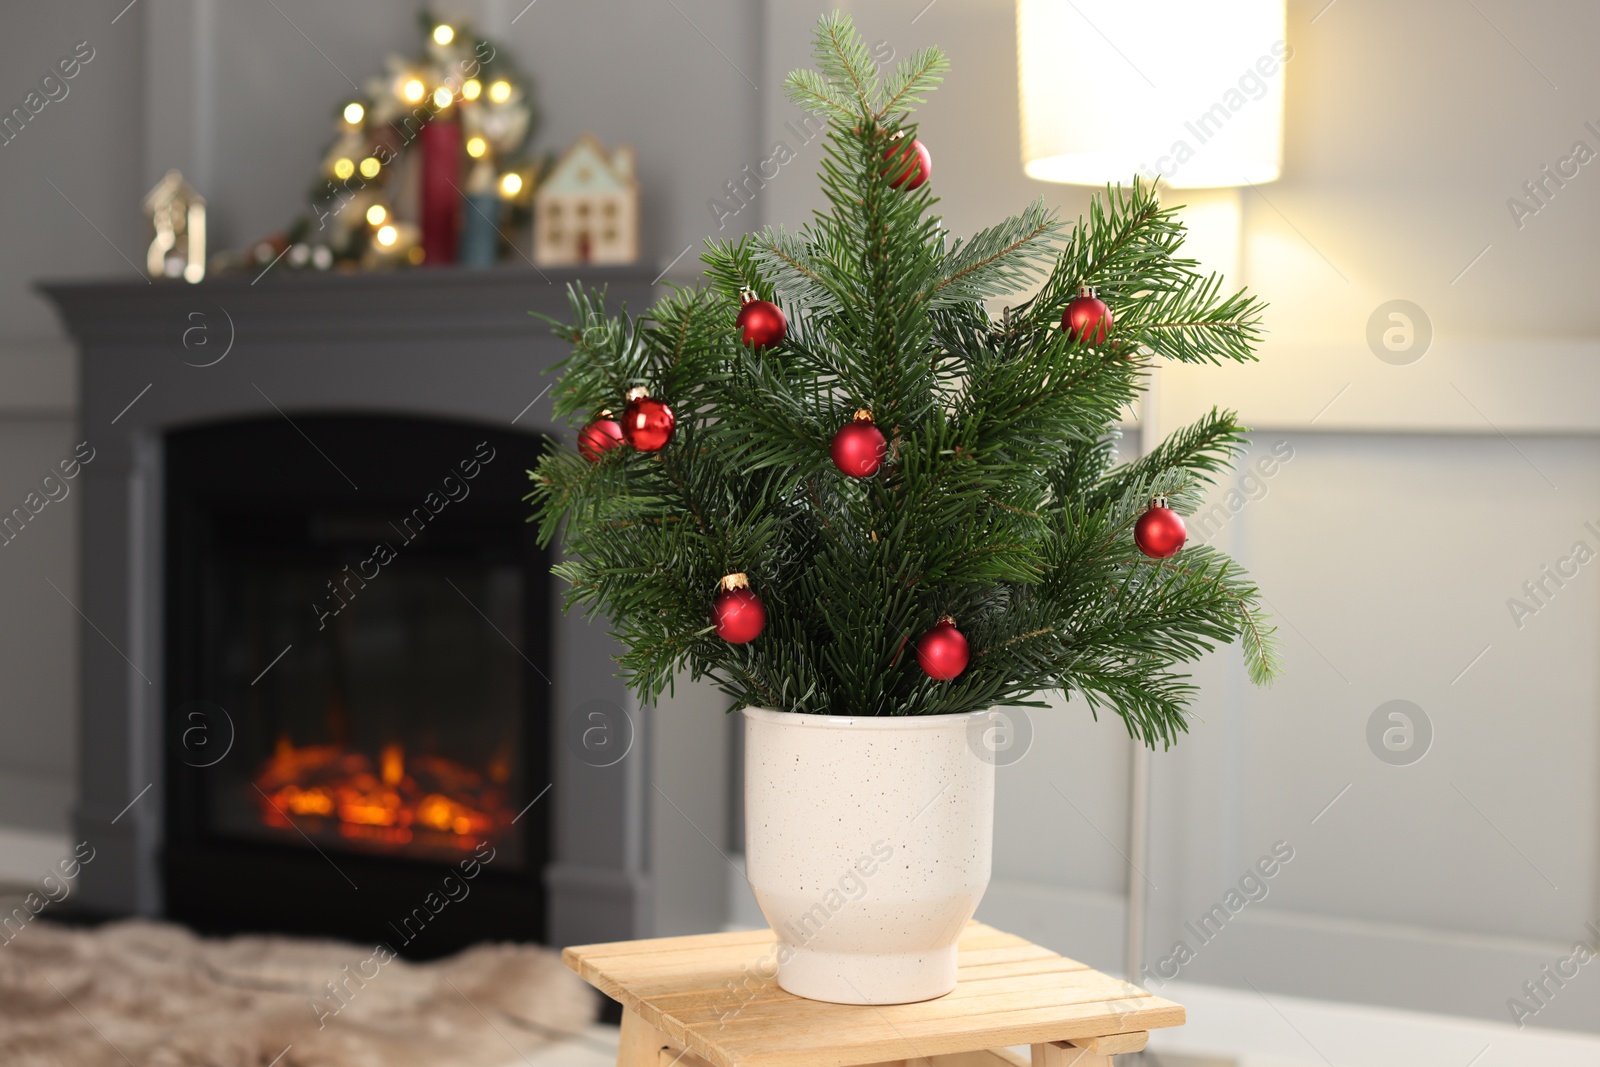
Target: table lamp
(1186,94)
(1190,94)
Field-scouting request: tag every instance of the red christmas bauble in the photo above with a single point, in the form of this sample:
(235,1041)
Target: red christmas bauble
(859,446)
(1087,318)
(942,652)
(740,614)
(910,164)
(762,322)
(647,423)
(1159,533)
(599,437)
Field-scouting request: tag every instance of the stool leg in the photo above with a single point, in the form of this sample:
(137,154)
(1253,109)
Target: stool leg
(1059,1054)
(641,1043)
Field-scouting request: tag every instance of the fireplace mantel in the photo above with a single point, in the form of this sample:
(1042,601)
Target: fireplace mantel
(446,343)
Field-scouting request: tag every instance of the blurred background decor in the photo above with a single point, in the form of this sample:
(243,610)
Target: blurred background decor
(178,217)
(587,209)
(427,164)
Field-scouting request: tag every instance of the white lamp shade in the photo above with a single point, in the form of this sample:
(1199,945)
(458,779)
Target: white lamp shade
(1188,91)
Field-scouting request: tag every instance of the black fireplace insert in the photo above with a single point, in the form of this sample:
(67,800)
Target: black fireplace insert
(357,681)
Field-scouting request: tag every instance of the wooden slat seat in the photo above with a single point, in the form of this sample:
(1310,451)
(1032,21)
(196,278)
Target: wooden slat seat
(706,998)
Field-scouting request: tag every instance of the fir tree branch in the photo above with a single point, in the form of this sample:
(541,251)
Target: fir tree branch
(913,79)
(998,502)
(809,90)
(843,57)
(1000,260)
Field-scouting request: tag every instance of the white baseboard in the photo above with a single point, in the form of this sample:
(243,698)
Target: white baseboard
(1276,1030)
(26,856)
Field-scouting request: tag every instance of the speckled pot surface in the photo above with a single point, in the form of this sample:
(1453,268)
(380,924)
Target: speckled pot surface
(867,843)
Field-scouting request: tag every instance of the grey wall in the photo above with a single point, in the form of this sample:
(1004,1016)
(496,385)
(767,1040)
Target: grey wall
(87,144)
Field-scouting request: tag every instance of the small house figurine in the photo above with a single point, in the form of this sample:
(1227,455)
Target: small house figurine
(178,215)
(587,209)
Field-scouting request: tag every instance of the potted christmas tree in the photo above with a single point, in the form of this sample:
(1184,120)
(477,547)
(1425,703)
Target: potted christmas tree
(871,509)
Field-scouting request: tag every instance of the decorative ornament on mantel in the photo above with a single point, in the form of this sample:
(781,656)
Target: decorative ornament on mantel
(178,216)
(587,209)
(426,165)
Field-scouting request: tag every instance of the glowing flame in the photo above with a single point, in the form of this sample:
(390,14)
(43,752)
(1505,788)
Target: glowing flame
(445,801)
(394,764)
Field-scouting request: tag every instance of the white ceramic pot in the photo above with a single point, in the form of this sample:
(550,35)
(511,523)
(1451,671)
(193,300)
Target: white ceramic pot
(867,843)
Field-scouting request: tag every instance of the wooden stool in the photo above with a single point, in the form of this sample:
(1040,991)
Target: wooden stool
(712,999)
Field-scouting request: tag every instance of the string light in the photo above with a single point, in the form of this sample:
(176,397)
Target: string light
(354,113)
(443,34)
(343,168)
(387,236)
(413,90)
(511,184)
(376,214)
(500,91)
(370,167)
(441,97)
(471,88)
(476,147)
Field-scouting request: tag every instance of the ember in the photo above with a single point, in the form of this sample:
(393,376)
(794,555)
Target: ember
(428,799)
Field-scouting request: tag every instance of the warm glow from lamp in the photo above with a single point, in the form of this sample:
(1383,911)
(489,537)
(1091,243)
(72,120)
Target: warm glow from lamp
(1191,93)
(511,184)
(370,167)
(354,113)
(413,90)
(471,88)
(500,91)
(476,146)
(442,97)
(443,34)
(343,168)
(376,214)
(387,236)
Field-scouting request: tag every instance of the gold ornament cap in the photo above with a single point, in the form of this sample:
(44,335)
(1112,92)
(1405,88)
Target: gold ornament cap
(730,582)
(863,415)
(638,392)
(604,413)
(950,619)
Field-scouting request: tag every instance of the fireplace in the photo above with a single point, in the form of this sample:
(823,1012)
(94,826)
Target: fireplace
(315,675)
(357,677)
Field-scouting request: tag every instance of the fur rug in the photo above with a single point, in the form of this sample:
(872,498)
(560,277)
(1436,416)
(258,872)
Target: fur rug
(155,995)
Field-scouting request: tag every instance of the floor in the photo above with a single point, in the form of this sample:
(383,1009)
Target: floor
(1242,1028)
(1281,1031)
(595,1047)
